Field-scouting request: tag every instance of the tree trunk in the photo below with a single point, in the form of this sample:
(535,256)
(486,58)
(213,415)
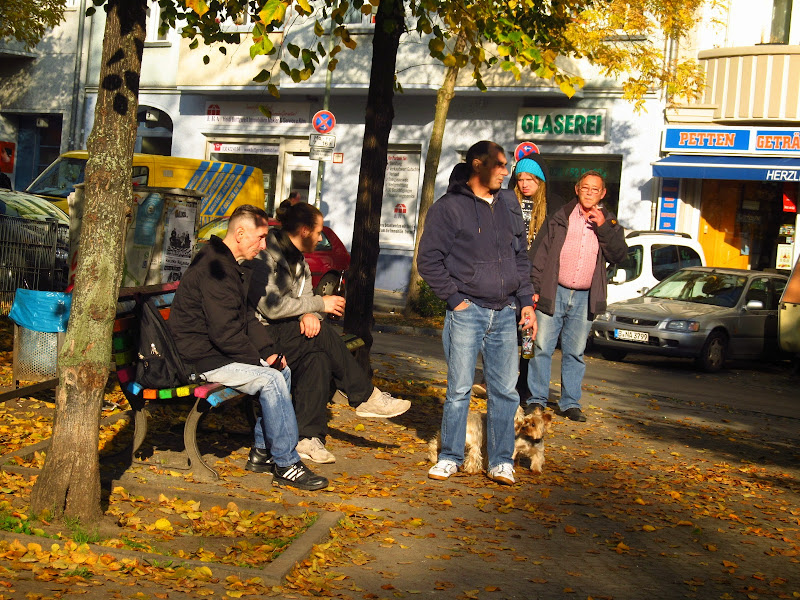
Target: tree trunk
(69,483)
(389,25)
(443,98)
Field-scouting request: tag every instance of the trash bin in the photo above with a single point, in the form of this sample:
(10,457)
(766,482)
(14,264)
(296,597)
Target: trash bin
(40,320)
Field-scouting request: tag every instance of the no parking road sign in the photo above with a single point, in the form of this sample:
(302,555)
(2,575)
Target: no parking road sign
(323,121)
(524,149)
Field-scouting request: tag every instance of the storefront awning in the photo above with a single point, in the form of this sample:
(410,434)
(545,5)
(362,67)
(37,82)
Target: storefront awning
(753,168)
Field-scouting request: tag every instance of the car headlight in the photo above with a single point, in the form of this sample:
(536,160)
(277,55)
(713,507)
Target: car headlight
(683,325)
(606,316)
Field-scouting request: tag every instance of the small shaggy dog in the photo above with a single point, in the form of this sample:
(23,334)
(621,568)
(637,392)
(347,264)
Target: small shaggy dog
(529,433)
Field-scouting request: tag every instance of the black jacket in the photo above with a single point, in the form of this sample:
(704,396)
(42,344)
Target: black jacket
(210,319)
(545,256)
(474,250)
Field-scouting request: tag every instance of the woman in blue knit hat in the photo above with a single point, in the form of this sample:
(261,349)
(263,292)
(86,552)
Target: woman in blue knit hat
(529,183)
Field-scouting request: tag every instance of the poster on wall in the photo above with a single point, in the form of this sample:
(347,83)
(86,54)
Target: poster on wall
(400,197)
(179,227)
(783,259)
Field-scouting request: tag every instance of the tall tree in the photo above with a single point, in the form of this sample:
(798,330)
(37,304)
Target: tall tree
(70,479)
(390,22)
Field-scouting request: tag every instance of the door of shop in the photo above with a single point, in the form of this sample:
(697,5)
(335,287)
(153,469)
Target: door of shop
(300,175)
(719,231)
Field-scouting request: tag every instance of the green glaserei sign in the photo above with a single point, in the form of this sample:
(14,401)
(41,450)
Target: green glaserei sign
(563,125)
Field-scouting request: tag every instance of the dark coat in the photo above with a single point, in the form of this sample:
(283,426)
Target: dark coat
(210,319)
(474,250)
(545,256)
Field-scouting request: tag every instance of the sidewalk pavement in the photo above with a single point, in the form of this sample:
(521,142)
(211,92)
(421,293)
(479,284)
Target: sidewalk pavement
(389,301)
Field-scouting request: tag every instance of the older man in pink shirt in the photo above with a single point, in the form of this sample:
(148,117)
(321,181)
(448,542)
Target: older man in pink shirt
(568,271)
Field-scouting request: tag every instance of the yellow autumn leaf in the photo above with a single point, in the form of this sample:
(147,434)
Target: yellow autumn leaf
(648,528)
(570,529)
(163,525)
(710,547)
(198,6)
(359,427)
(640,501)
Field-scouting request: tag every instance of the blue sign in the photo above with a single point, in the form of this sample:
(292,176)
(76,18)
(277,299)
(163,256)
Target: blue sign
(710,140)
(668,205)
(323,121)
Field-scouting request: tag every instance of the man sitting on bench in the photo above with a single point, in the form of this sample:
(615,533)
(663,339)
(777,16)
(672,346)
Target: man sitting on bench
(216,332)
(281,288)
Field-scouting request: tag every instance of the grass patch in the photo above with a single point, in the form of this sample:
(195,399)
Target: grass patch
(79,534)
(19,524)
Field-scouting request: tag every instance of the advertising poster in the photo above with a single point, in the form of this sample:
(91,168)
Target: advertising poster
(179,239)
(400,197)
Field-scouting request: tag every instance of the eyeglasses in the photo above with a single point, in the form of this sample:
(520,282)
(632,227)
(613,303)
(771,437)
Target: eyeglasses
(590,191)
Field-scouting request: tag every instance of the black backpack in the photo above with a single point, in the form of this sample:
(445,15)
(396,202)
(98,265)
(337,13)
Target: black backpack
(159,365)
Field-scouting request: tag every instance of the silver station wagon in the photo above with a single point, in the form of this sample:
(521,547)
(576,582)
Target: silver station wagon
(704,313)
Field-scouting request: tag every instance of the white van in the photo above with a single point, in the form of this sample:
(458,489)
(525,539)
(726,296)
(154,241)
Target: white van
(652,257)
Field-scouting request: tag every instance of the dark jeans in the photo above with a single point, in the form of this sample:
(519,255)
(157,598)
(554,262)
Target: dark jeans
(313,362)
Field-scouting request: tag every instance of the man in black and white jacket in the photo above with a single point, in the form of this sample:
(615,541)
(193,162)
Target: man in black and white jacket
(281,288)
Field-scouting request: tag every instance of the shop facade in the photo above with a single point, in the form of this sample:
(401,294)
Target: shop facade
(735,189)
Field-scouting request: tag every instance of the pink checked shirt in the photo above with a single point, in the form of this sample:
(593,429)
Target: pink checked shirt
(579,253)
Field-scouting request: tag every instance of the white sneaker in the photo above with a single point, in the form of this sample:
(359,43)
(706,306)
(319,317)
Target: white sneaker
(442,470)
(314,450)
(381,404)
(502,473)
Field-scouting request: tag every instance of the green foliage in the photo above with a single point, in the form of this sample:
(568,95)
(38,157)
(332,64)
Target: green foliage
(79,572)
(428,304)
(28,20)
(16,524)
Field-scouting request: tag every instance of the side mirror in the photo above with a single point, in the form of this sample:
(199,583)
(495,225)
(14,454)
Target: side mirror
(620,276)
(754,305)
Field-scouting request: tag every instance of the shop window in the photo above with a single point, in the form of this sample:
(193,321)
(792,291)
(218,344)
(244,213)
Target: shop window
(565,170)
(781,22)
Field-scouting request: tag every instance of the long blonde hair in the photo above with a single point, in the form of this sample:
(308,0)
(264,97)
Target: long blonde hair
(539,210)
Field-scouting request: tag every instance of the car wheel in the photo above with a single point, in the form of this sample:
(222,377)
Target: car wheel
(327,285)
(712,356)
(611,354)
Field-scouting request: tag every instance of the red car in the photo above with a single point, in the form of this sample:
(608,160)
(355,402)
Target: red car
(328,262)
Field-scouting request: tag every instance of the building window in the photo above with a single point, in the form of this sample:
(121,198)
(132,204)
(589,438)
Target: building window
(781,22)
(153,23)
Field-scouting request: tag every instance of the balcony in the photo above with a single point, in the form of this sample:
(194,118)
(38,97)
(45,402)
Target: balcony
(752,83)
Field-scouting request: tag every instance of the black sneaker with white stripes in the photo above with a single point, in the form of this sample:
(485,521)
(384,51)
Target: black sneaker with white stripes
(298,475)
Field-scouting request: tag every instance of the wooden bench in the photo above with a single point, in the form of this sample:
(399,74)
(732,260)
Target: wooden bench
(202,397)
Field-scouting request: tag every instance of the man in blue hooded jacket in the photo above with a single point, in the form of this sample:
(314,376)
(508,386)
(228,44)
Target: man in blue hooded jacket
(473,255)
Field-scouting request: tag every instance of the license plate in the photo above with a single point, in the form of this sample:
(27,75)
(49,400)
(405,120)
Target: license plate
(631,336)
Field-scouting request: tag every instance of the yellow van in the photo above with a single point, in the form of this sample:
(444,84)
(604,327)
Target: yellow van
(224,185)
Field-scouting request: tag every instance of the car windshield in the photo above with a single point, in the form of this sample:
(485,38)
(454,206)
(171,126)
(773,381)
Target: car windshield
(60,178)
(701,287)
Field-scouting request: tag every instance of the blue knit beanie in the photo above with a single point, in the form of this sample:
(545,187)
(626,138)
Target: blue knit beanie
(528,165)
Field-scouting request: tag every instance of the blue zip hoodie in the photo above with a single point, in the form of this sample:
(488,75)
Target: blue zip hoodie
(476,251)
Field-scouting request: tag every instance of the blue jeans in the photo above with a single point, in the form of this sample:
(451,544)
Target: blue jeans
(493,333)
(570,320)
(276,428)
